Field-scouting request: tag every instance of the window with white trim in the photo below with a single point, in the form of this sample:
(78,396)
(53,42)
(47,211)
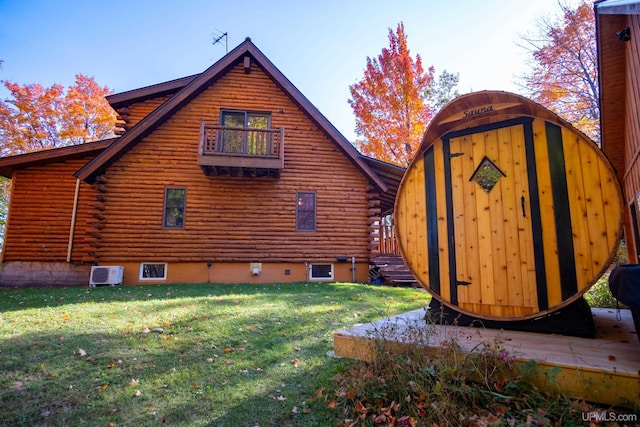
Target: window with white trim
(153,271)
(321,272)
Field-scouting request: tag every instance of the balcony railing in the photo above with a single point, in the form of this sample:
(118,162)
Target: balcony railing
(241,151)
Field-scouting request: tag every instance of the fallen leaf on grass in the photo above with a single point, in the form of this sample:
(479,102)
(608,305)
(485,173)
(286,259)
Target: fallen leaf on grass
(137,393)
(134,382)
(81,352)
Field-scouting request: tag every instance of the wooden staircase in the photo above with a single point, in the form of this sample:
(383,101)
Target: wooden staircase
(393,271)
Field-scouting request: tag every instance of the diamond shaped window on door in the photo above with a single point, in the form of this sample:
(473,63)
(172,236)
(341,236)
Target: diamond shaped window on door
(487,174)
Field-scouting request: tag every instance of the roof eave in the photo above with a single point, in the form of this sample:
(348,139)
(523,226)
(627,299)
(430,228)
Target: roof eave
(8,165)
(123,99)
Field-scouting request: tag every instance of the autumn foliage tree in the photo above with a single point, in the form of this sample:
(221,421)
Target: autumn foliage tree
(391,113)
(37,118)
(564,75)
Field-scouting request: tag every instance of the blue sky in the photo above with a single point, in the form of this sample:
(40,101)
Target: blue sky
(321,46)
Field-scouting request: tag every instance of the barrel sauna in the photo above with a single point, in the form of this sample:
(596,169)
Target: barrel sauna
(507,212)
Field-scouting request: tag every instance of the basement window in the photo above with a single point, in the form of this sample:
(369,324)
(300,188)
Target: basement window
(153,271)
(321,272)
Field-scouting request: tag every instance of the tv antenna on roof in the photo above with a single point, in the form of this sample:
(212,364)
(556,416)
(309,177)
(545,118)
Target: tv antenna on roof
(226,41)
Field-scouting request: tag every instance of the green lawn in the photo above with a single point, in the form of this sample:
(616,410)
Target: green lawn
(188,355)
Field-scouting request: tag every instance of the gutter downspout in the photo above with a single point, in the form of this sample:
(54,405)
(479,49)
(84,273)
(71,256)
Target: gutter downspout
(74,214)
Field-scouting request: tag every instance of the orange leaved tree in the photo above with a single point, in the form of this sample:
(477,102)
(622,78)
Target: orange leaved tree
(37,118)
(391,113)
(564,75)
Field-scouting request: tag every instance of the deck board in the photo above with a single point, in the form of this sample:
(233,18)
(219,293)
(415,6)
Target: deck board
(604,369)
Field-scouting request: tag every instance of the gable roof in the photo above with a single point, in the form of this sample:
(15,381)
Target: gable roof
(194,87)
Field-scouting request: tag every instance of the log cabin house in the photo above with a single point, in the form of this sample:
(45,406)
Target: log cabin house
(228,176)
(618,42)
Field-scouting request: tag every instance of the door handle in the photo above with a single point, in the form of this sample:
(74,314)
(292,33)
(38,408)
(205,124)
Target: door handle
(522,202)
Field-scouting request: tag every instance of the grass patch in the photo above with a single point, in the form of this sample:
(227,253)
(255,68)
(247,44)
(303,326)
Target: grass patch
(193,355)
(448,386)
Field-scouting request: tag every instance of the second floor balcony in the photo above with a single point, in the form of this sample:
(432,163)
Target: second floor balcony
(234,151)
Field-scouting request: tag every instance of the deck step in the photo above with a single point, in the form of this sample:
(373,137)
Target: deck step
(393,271)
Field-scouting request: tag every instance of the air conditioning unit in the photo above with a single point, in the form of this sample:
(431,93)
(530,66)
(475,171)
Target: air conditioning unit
(106,275)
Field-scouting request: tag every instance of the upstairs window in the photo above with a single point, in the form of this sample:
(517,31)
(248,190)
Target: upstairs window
(174,204)
(248,138)
(306,211)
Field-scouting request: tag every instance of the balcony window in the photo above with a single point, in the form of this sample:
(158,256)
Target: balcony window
(243,140)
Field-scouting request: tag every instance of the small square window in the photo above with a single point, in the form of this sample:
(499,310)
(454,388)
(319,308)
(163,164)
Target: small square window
(306,212)
(487,174)
(174,206)
(153,271)
(321,272)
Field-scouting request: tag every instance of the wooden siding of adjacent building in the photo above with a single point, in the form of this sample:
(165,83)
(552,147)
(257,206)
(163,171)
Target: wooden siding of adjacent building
(618,62)
(234,219)
(41,212)
(631,177)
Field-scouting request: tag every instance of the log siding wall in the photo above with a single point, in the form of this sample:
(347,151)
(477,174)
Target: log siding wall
(40,212)
(231,219)
(133,113)
(631,178)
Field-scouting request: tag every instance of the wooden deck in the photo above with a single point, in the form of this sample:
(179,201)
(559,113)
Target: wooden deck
(605,369)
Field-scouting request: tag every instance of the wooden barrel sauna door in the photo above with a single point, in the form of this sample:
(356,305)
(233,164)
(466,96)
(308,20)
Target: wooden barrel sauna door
(509,219)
